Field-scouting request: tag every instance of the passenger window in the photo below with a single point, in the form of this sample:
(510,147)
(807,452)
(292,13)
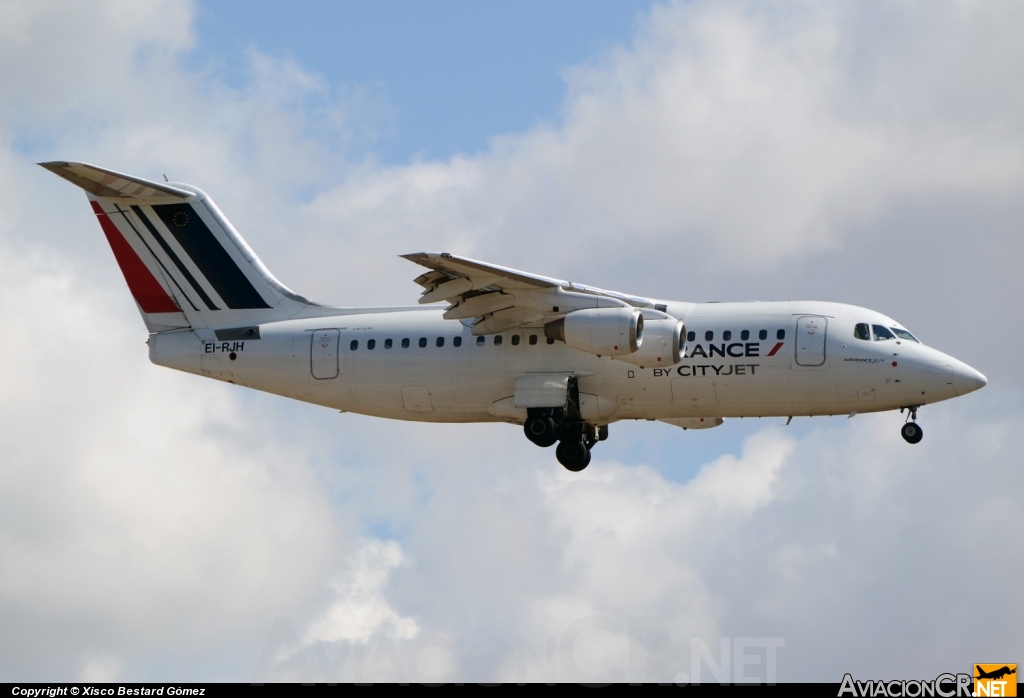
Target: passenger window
(861,331)
(387,343)
(481,340)
(727,335)
(533,339)
(708,336)
(423,342)
(882,334)
(781,334)
(515,340)
(903,334)
(440,341)
(354,344)
(497,340)
(550,341)
(405,343)
(745,335)
(457,341)
(372,344)
(691,336)
(763,334)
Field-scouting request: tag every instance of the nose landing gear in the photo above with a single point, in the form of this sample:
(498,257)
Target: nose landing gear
(911,432)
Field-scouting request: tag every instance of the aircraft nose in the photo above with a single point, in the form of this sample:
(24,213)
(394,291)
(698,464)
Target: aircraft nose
(967,380)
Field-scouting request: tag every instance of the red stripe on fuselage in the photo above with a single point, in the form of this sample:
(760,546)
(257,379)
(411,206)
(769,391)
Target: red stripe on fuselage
(775,348)
(148,292)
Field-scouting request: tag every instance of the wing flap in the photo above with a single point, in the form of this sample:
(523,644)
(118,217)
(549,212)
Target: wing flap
(479,306)
(506,319)
(448,289)
(501,298)
(431,279)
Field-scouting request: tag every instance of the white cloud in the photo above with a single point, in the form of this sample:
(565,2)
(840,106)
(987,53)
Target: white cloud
(360,609)
(146,514)
(101,670)
(145,506)
(727,137)
(744,483)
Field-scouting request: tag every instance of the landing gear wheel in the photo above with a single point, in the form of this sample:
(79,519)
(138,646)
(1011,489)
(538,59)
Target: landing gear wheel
(541,431)
(574,455)
(911,433)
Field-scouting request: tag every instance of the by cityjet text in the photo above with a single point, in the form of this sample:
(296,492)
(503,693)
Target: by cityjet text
(942,686)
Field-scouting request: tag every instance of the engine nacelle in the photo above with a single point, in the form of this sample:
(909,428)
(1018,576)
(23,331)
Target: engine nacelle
(601,331)
(662,346)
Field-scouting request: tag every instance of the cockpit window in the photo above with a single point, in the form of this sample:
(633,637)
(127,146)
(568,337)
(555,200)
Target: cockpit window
(903,334)
(862,331)
(881,333)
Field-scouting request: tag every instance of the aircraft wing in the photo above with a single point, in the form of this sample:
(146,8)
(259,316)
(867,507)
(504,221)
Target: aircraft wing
(499,298)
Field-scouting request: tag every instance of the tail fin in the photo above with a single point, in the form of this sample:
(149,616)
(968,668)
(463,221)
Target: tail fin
(184,263)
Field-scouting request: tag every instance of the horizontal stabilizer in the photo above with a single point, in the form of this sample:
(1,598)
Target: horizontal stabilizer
(114,185)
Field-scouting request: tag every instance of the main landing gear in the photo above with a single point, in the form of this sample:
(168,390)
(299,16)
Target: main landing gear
(541,429)
(573,454)
(911,432)
(545,426)
(575,437)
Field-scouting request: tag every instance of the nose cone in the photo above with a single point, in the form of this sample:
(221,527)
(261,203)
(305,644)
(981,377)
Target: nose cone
(966,379)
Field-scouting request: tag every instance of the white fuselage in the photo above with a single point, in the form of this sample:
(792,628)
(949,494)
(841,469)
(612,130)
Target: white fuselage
(810,363)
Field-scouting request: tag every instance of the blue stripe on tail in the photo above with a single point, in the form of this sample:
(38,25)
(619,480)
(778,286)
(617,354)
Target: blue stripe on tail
(209,256)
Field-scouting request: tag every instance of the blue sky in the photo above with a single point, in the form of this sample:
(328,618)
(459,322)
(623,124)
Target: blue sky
(455,73)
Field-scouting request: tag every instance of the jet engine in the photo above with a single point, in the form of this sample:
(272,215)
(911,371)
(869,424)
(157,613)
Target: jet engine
(662,345)
(602,331)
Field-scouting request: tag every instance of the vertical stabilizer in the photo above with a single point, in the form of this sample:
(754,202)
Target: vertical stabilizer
(184,263)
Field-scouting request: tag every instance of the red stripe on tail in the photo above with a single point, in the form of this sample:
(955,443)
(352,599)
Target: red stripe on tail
(775,348)
(148,292)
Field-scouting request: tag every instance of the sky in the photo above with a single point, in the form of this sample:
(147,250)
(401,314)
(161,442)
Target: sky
(155,526)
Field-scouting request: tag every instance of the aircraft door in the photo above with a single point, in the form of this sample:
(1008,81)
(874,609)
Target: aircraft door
(323,354)
(810,340)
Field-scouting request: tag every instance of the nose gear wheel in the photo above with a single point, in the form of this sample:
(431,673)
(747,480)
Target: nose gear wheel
(911,433)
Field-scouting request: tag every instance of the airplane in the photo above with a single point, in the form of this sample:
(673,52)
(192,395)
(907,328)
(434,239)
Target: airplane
(995,674)
(563,360)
